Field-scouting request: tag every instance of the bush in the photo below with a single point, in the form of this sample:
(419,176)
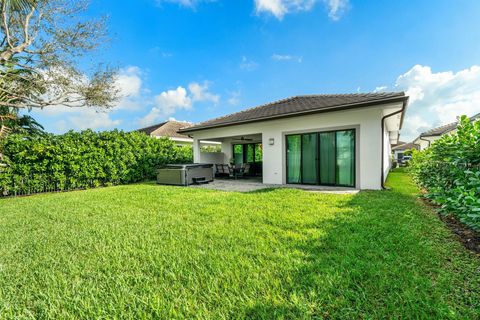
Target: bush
(394,164)
(84,160)
(450,172)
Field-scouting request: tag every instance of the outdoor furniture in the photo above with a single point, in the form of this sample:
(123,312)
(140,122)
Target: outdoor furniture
(243,170)
(239,171)
(221,170)
(232,171)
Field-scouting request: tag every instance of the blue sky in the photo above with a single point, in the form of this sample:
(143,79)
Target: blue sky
(198,59)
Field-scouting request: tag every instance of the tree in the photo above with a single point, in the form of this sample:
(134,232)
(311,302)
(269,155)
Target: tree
(42,46)
(15,123)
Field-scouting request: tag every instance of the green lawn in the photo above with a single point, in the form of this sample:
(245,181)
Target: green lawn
(143,251)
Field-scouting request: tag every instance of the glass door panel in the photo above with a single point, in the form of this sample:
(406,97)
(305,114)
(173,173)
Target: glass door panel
(346,158)
(294,144)
(309,158)
(250,153)
(258,152)
(327,158)
(238,154)
(258,159)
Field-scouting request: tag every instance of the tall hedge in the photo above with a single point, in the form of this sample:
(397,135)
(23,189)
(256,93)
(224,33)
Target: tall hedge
(450,172)
(84,160)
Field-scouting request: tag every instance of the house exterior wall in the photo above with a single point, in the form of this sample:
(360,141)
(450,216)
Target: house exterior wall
(366,121)
(387,151)
(425,142)
(212,157)
(396,152)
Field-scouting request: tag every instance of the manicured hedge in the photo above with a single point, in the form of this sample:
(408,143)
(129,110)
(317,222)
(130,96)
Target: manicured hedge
(450,172)
(84,160)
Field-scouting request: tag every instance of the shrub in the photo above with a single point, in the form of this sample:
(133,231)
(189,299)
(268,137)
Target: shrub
(450,172)
(394,164)
(84,160)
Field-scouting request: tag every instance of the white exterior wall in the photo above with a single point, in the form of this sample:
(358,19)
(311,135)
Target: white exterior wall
(387,152)
(366,121)
(396,152)
(424,142)
(212,157)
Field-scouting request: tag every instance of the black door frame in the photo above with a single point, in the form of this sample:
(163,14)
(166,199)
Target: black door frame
(244,155)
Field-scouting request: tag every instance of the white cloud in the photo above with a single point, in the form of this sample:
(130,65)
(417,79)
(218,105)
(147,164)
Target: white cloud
(169,102)
(234,99)
(91,119)
(158,52)
(379,89)
(274,7)
(174,99)
(200,92)
(129,82)
(184,3)
(279,8)
(438,98)
(286,57)
(336,8)
(248,65)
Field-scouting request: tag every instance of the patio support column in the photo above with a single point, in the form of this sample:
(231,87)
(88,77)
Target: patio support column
(196,151)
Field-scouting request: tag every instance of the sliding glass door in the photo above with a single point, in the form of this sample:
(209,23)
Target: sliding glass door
(294,148)
(309,158)
(325,158)
(345,158)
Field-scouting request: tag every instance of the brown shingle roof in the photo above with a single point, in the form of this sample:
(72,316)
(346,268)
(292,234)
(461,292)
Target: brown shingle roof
(438,131)
(299,105)
(166,129)
(406,146)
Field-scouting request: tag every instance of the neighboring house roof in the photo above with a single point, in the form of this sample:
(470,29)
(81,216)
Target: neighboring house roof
(398,144)
(405,146)
(166,129)
(300,105)
(438,131)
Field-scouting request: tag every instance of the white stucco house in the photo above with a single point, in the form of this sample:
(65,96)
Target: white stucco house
(425,139)
(400,149)
(333,139)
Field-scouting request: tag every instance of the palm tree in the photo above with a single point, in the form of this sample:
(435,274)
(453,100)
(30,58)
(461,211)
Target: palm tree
(20,4)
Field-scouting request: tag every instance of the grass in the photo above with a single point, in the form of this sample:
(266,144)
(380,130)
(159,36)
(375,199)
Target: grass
(147,251)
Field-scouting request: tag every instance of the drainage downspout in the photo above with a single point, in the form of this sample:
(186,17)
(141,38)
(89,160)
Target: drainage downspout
(425,140)
(382,183)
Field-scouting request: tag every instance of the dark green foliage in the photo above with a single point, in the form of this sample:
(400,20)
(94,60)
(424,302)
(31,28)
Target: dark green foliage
(450,172)
(22,124)
(84,160)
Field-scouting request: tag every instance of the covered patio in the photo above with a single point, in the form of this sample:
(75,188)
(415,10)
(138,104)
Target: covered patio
(243,151)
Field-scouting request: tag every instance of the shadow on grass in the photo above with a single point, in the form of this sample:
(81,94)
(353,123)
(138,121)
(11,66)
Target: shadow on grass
(380,258)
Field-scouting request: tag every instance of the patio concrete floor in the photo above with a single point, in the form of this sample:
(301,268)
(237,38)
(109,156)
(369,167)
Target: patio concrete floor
(254,184)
